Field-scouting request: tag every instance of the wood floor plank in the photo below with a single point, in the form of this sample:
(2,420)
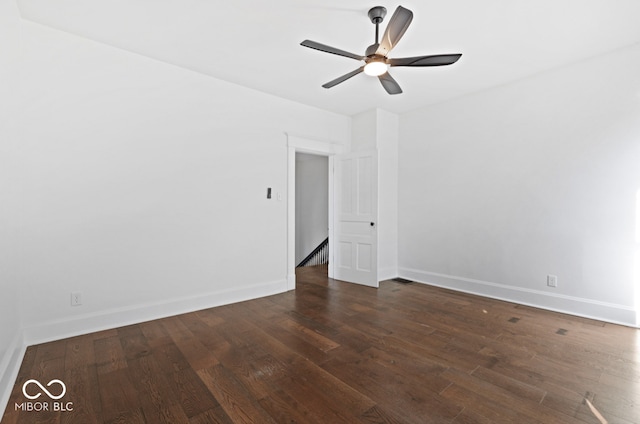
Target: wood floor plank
(155,333)
(484,404)
(209,317)
(233,397)
(414,369)
(212,416)
(109,354)
(379,415)
(303,391)
(321,342)
(333,352)
(132,416)
(413,403)
(571,403)
(191,392)
(284,409)
(83,392)
(170,357)
(188,334)
(133,341)
(503,399)
(79,352)
(253,369)
(157,399)
(295,344)
(340,394)
(469,416)
(518,388)
(119,397)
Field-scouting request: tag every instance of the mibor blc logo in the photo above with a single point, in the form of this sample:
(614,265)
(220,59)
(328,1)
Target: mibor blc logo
(33,389)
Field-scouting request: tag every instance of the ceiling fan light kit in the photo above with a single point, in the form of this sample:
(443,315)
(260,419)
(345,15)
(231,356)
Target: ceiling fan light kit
(375,67)
(376,57)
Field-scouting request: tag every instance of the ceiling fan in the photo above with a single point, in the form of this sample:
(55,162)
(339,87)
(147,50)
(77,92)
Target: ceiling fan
(376,61)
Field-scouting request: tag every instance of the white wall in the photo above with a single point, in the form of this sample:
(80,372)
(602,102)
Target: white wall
(10,325)
(379,129)
(537,177)
(312,203)
(144,186)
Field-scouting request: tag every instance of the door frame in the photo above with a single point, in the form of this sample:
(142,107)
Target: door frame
(296,144)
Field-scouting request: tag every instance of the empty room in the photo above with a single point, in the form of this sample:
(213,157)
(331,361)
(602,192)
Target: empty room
(319,211)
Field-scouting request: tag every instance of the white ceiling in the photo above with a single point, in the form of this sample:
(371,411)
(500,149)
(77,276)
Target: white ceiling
(255,43)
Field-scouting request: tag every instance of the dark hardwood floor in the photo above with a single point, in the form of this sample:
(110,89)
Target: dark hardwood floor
(333,352)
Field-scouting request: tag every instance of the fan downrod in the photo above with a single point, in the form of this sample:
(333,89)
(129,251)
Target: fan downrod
(376,14)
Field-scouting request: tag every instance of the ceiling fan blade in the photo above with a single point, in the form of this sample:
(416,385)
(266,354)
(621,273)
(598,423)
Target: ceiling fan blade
(329,49)
(433,60)
(343,78)
(396,28)
(389,84)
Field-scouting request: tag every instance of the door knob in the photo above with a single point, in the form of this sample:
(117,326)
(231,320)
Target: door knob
(373,224)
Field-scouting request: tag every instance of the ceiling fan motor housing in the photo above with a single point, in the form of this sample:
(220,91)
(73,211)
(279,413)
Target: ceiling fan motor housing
(371,51)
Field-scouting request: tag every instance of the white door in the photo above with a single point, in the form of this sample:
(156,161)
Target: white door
(356,205)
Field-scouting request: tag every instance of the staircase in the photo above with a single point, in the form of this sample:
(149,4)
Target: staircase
(319,256)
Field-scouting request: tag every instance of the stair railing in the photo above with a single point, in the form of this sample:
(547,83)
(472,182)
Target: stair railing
(319,256)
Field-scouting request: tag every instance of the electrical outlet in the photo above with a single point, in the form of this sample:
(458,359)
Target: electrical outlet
(76,298)
(552,280)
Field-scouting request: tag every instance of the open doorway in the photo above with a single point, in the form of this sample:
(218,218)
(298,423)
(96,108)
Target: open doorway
(312,210)
(352,193)
(303,145)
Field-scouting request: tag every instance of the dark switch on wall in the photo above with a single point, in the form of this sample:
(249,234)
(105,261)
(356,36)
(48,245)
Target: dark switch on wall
(268,192)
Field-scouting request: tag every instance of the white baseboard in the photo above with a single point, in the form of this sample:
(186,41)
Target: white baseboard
(104,320)
(387,274)
(9,367)
(587,308)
